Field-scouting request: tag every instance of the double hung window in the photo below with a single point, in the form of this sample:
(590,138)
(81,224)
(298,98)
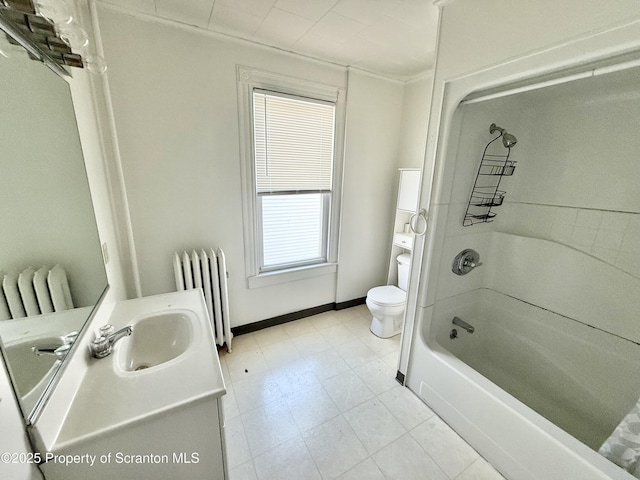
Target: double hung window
(291,146)
(293,140)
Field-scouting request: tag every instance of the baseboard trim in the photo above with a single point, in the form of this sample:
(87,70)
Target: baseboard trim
(290,317)
(350,303)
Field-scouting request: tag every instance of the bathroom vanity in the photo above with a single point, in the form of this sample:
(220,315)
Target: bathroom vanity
(152,409)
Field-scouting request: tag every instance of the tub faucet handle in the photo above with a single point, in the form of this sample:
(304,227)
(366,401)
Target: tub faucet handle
(465,261)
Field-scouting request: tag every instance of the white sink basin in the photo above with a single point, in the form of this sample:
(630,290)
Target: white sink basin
(156,339)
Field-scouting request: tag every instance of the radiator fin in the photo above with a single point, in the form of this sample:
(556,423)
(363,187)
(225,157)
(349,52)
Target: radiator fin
(34,292)
(207,270)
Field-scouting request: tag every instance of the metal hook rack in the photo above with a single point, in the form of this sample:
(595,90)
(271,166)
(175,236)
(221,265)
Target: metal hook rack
(486,193)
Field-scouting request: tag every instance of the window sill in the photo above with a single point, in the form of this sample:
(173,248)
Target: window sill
(291,274)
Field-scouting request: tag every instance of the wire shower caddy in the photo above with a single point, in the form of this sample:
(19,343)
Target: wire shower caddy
(486,193)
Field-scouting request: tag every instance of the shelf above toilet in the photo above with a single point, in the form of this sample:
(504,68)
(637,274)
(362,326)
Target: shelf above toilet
(404,240)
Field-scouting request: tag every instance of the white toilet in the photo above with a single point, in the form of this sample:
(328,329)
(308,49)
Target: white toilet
(386,303)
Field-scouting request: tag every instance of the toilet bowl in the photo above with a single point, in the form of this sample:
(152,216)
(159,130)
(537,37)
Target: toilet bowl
(387,303)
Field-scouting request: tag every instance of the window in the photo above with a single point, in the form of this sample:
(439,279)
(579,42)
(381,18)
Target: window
(290,133)
(293,153)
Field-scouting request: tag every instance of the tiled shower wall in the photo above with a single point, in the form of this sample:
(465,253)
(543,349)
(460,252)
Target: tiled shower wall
(613,237)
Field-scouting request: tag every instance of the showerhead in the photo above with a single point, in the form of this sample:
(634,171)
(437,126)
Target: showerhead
(508,140)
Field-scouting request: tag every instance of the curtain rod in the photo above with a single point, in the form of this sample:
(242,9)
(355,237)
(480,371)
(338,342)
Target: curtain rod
(556,81)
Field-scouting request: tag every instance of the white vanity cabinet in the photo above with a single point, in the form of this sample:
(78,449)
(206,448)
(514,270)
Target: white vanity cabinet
(407,205)
(184,442)
(152,409)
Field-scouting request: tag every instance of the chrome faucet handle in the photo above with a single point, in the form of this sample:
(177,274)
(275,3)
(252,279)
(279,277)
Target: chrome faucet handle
(70,337)
(471,264)
(106,330)
(465,261)
(62,351)
(100,347)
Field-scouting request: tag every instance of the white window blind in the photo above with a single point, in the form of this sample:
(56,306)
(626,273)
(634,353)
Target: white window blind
(293,141)
(293,227)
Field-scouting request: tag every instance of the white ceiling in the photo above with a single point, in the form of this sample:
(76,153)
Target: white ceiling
(395,38)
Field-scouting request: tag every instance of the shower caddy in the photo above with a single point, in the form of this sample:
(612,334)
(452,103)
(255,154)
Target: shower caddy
(486,193)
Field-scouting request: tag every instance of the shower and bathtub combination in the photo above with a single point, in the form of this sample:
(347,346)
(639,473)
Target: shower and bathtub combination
(527,337)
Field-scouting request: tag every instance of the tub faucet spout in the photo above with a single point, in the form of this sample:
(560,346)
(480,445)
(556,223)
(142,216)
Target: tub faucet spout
(462,324)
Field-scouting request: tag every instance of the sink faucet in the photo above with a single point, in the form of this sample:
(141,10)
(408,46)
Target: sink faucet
(102,346)
(60,351)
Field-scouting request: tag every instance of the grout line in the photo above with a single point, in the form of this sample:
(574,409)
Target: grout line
(378,355)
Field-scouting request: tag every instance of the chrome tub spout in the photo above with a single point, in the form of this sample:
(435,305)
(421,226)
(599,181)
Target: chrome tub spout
(462,324)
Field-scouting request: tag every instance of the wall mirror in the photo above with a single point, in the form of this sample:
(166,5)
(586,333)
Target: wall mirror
(51,268)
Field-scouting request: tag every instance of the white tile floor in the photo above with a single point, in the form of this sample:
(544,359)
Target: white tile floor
(317,399)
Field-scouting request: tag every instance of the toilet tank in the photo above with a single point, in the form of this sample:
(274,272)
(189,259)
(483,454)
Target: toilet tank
(403,270)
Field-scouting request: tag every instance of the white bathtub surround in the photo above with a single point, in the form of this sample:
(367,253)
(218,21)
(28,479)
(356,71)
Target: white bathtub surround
(545,335)
(333,411)
(560,306)
(568,282)
(611,236)
(560,368)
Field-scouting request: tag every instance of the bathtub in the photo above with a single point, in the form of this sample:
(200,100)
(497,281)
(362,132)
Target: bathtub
(532,389)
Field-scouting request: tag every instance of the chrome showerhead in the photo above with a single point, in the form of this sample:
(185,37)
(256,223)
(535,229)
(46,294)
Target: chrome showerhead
(508,140)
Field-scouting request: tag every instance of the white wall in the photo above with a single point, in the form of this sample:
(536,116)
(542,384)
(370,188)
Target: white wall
(477,34)
(174,98)
(415,120)
(374,112)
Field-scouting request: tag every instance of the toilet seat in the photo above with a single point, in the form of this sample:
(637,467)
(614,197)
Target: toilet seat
(388,295)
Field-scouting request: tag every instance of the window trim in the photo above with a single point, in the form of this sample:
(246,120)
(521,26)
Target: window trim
(249,79)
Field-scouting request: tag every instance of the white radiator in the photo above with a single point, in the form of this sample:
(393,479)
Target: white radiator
(207,270)
(33,292)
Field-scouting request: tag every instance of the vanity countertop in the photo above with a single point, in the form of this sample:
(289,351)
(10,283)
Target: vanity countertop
(111,398)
